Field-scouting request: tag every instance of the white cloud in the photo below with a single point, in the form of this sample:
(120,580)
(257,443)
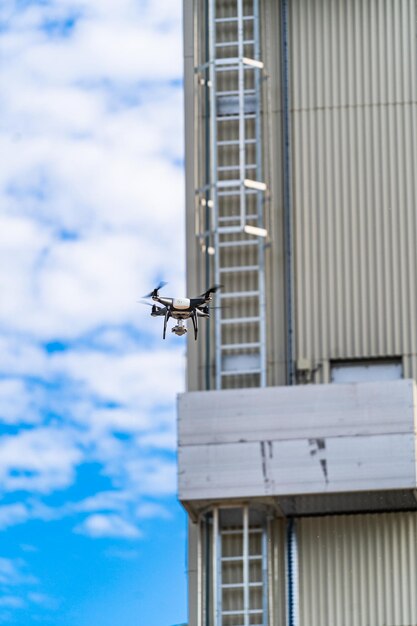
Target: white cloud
(11,514)
(21,356)
(127,378)
(11,602)
(17,403)
(154,476)
(152,510)
(42,459)
(104,501)
(87,49)
(43,600)
(164,439)
(120,420)
(98,526)
(14,572)
(92,215)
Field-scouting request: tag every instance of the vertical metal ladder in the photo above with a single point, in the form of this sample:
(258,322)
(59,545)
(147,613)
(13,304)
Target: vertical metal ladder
(235,191)
(240,584)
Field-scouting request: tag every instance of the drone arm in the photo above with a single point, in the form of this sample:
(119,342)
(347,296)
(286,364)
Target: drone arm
(207,294)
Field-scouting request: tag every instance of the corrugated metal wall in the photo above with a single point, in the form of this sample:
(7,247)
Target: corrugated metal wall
(354,105)
(353,74)
(358,570)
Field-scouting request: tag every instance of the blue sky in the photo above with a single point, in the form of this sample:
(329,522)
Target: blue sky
(91,217)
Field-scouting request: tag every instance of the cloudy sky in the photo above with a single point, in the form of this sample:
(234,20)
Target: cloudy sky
(91,217)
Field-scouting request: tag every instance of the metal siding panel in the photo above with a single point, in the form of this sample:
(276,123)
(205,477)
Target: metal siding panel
(354,102)
(272,119)
(276,570)
(358,570)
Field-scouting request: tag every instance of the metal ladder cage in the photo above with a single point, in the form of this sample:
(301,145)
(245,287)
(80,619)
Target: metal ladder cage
(234,568)
(230,203)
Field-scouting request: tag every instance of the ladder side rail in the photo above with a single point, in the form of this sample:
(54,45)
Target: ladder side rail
(241,100)
(260,197)
(216,61)
(216,568)
(246,606)
(265,581)
(214,181)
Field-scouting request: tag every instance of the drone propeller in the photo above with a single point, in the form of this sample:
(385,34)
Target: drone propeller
(149,304)
(154,292)
(212,289)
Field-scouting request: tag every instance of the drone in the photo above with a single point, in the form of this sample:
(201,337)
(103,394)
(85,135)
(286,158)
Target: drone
(180,308)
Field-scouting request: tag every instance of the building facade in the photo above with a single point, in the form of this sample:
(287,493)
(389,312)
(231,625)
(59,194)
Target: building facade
(297,451)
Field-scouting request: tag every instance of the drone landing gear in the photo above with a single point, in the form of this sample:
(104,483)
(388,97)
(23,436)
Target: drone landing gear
(195,323)
(166,317)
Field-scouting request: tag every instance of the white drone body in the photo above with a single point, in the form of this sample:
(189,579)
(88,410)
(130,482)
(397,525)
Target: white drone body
(181,309)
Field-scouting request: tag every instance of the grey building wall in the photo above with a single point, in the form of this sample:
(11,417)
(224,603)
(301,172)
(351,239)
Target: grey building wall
(349,570)
(354,90)
(353,155)
(353,132)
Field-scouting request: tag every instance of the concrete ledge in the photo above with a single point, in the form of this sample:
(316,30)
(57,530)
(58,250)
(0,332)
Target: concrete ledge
(295,441)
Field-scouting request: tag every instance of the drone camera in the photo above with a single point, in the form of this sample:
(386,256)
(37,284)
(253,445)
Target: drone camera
(179,330)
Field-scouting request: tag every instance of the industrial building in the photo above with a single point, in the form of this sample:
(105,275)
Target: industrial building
(297,433)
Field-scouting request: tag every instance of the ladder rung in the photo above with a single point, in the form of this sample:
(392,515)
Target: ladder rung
(222,20)
(233,218)
(232,118)
(235,168)
(232,68)
(235,92)
(240,320)
(241,372)
(230,44)
(242,612)
(239,531)
(240,346)
(240,585)
(236,192)
(239,268)
(224,230)
(244,242)
(236,182)
(239,294)
(220,62)
(235,142)
(233,559)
